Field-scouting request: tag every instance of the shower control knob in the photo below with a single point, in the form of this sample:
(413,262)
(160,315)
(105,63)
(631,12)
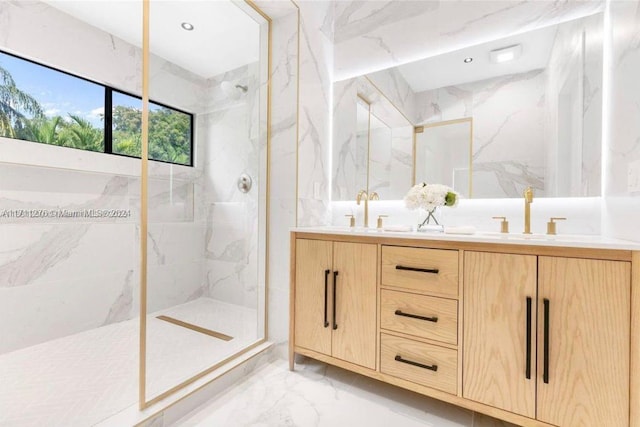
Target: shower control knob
(244,183)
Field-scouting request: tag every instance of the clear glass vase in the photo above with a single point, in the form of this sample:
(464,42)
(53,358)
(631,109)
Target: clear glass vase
(430,221)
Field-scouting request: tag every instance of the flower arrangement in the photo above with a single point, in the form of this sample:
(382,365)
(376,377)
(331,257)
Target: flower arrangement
(429,197)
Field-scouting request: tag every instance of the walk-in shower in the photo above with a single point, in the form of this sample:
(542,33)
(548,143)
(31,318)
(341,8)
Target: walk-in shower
(88,326)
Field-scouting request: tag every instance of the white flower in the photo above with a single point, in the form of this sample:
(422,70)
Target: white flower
(430,196)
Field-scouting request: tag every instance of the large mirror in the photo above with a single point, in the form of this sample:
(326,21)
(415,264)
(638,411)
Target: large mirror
(496,117)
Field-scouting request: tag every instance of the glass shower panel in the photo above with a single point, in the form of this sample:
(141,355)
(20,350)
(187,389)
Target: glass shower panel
(207,196)
(69,263)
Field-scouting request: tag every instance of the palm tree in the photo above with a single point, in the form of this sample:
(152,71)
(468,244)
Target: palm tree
(45,130)
(83,135)
(14,104)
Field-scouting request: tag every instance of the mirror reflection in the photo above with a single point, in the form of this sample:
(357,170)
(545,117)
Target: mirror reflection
(536,103)
(443,155)
(374,142)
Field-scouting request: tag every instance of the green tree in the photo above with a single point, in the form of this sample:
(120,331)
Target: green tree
(169,134)
(15,105)
(80,133)
(43,129)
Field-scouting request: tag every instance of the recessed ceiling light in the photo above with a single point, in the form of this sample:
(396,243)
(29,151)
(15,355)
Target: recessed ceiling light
(467,60)
(187,26)
(505,54)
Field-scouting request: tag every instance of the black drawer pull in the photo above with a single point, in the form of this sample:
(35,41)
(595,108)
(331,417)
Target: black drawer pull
(415,316)
(545,365)
(528,344)
(420,270)
(419,365)
(326,293)
(335,292)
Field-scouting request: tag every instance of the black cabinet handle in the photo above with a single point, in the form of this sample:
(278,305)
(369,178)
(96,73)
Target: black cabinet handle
(326,297)
(545,373)
(419,365)
(415,316)
(528,367)
(335,281)
(421,270)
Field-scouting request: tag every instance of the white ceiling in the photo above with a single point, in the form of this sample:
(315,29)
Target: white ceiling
(224,38)
(449,69)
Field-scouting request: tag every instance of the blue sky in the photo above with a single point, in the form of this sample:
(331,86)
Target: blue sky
(59,93)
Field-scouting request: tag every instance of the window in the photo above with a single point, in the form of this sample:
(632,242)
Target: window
(41,104)
(169,130)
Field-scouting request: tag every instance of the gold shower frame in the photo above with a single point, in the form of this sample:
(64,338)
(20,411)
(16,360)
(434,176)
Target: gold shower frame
(143,403)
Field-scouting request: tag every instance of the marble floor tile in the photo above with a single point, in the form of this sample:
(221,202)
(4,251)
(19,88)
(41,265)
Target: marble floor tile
(318,395)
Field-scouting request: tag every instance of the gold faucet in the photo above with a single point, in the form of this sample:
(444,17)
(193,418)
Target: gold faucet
(528,199)
(363,195)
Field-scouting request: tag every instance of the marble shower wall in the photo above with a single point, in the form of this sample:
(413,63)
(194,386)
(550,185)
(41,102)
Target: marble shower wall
(232,218)
(622,204)
(508,129)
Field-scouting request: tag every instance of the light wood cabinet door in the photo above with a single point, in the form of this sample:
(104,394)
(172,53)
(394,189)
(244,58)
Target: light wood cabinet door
(587,327)
(313,295)
(498,288)
(354,333)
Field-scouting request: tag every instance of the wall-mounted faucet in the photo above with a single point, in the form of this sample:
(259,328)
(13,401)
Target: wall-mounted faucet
(528,199)
(363,195)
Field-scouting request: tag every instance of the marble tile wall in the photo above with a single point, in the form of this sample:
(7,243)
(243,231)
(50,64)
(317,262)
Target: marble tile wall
(393,84)
(383,163)
(508,113)
(349,168)
(622,134)
(314,112)
(232,218)
(283,167)
(372,36)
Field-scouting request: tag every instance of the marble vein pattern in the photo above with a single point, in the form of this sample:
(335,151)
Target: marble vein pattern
(348,177)
(316,65)
(364,44)
(508,116)
(320,395)
(122,308)
(395,87)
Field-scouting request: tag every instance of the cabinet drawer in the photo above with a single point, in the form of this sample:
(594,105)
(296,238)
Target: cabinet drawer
(425,364)
(430,271)
(419,315)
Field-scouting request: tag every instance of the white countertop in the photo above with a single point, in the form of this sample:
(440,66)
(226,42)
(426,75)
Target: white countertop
(560,240)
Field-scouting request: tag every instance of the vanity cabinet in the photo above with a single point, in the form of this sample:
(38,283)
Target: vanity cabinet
(571,315)
(335,299)
(499,325)
(534,335)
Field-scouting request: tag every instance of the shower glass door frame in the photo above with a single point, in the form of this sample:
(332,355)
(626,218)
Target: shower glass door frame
(265,134)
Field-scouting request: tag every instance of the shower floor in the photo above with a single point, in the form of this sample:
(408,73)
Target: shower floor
(82,379)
